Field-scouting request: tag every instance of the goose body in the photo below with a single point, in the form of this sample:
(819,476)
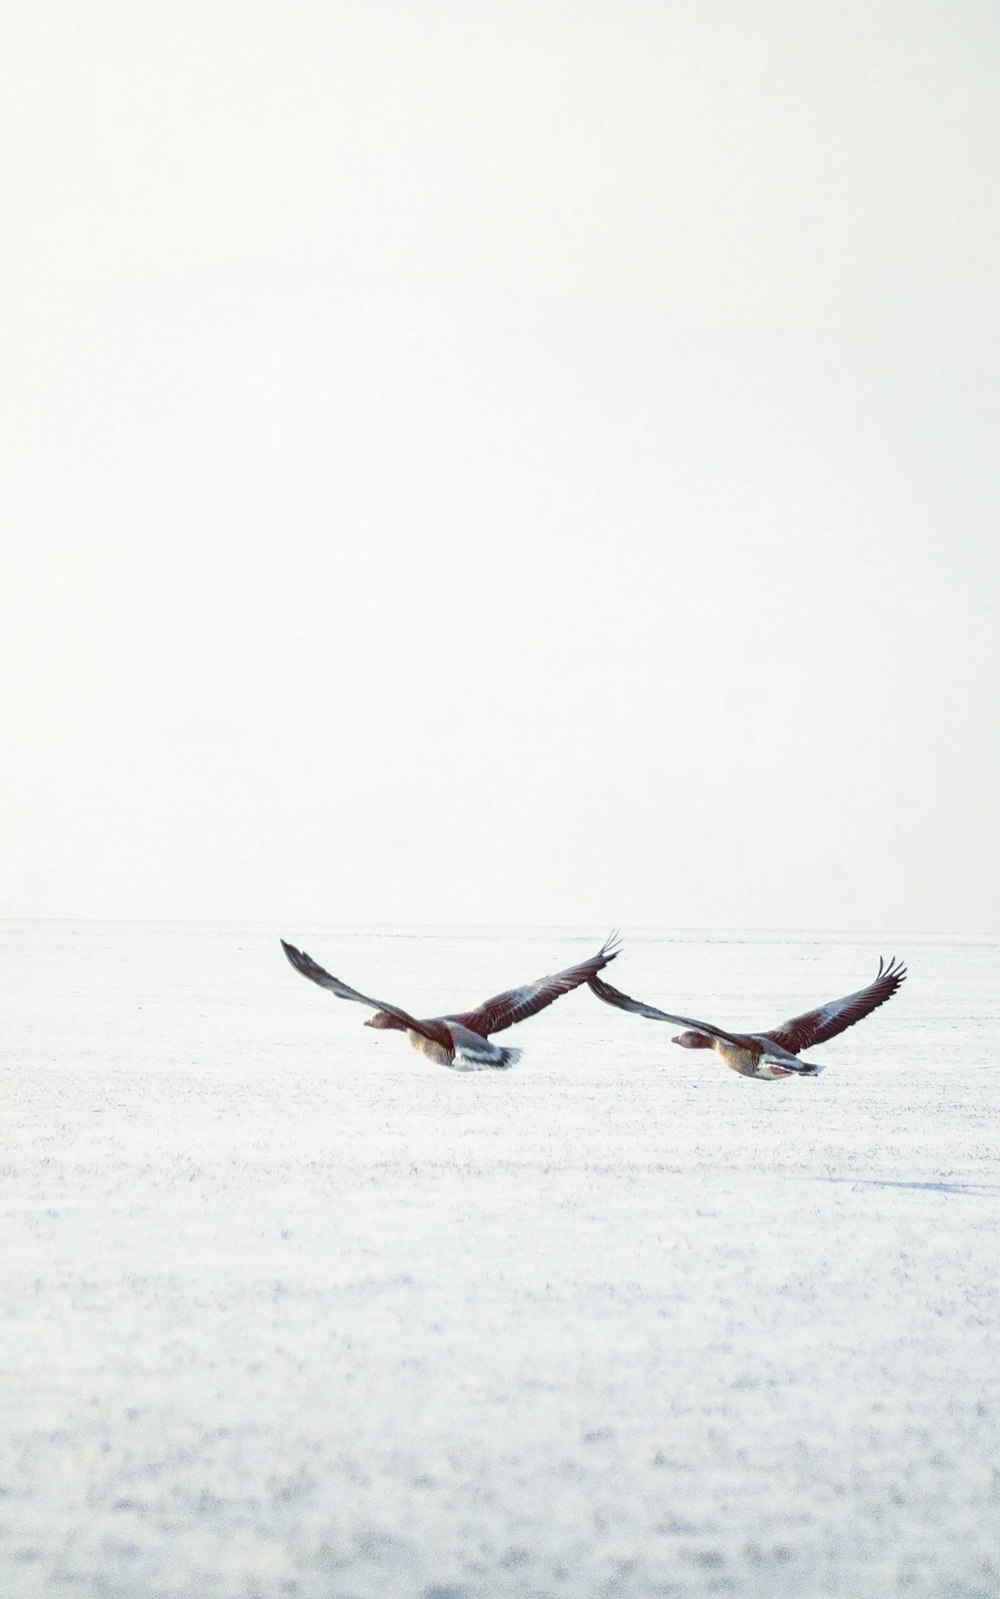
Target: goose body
(775,1053)
(461,1039)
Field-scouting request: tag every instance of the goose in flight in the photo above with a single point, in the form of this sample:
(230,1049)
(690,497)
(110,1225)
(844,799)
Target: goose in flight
(774,1054)
(461,1039)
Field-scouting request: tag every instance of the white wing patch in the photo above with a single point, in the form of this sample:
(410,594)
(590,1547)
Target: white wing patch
(830,1012)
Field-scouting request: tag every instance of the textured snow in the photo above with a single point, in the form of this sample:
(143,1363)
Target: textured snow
(287,1310)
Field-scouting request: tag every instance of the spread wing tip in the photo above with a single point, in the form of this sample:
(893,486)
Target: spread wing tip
(301,961)
(891,970)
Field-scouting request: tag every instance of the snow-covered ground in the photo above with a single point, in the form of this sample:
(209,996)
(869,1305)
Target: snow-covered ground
(287,1310)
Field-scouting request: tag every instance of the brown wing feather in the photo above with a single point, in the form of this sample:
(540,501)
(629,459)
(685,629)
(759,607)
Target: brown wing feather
(803,1032)
(614,996)
(503,1010)
(317,974)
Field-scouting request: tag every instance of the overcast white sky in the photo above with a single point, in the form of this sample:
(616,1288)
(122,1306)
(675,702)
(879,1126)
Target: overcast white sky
(502,462)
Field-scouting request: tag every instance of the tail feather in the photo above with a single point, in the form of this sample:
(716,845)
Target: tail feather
(786,1066)
(805,1068)
(483,1056)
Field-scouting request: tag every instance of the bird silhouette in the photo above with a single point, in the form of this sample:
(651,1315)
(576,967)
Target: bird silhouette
(461,1039)
(773,1054)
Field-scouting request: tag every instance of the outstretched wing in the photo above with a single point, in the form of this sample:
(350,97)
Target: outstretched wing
(614,996)
(802,1032)
(503,1010)
(309,968)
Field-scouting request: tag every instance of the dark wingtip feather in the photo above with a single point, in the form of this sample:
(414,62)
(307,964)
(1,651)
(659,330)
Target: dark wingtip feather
(611,947)
(890,968)
(296,957)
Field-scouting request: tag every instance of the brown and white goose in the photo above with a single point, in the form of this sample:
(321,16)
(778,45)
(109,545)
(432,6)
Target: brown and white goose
(773,1054)
(461,1039)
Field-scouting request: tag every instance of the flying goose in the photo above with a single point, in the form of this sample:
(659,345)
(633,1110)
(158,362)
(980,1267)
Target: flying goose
(773,1054)
(460,1040)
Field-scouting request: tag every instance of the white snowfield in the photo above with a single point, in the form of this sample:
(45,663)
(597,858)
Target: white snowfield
(289,1311)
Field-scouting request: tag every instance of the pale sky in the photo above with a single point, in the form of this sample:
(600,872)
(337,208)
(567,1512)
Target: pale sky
(481,462)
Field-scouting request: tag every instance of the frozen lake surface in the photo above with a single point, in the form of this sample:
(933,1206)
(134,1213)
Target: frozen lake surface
(287,1310)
